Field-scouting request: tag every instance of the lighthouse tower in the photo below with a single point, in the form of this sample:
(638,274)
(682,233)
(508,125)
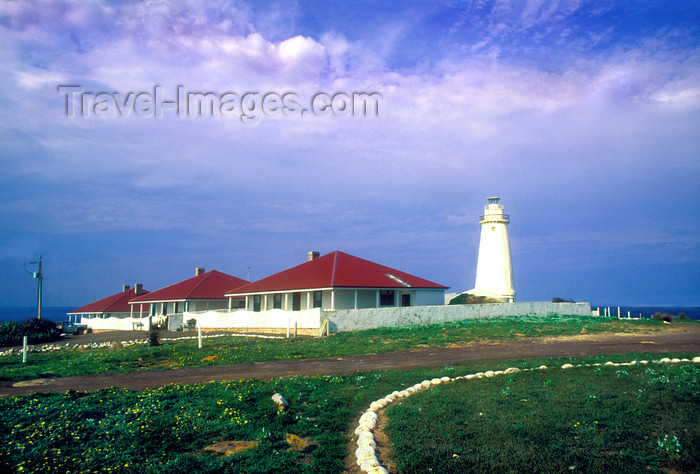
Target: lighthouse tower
(494,272)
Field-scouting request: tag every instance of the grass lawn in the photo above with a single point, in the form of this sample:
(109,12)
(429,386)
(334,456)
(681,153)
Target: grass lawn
(240,350)
(166,429)
(603,419)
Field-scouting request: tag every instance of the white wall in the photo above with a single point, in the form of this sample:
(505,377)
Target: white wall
(120,324)
(353,320)
(274,318)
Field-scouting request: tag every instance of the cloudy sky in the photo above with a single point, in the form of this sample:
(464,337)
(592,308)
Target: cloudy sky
(583,116)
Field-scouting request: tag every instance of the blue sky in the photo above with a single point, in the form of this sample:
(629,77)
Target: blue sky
(582,115)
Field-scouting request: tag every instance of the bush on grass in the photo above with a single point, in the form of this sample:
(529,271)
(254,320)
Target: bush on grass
(36,330)
(663,317)
(153,338)
(466,298)
(10,333)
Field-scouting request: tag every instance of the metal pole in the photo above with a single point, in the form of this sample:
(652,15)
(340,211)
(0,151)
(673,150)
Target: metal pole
(24,351)
(40,277)
(199,335)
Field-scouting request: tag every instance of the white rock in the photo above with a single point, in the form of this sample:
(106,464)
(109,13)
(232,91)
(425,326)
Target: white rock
(369,415)
(426,383)
(566,366)
(696,359)
(378,470)
(436,381)
(369,424)
(446,379)
(470,376)
(665,360)
(369,464)
(499,372)
(542,367)
(675,360)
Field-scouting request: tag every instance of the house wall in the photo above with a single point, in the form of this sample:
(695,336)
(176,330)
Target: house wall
(429,298)
(353,320)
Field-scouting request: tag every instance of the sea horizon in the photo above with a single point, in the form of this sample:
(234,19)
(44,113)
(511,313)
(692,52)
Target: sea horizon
(59,313)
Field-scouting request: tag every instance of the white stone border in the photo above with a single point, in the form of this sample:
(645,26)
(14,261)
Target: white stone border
(95,345)
(366,453)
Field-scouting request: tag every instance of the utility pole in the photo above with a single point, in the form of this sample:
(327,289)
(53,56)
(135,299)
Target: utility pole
(40,278)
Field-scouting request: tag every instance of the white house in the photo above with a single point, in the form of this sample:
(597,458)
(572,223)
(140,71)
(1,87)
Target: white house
(338,281)
(203,292)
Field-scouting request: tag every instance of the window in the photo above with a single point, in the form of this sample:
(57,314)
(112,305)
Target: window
(296,301)
(277,301)
(256,303)
(318,299)
(386,297)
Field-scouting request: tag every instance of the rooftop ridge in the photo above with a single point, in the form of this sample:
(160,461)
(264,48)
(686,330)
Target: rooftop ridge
(206,275)
(335,267)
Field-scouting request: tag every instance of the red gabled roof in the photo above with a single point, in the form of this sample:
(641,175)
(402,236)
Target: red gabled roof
(335,270)
(211,285)
(112,304)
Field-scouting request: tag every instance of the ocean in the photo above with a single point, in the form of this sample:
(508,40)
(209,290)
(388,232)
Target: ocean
(58,313)
(693,312)
(22,313)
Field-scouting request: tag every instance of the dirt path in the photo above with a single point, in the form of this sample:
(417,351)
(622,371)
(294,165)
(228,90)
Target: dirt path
(687,340)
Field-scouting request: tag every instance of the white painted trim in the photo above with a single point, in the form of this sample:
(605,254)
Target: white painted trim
(328,288)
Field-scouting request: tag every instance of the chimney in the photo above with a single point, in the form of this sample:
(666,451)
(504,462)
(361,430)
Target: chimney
(138,288)
(198,271)
(125,288)
(313,255)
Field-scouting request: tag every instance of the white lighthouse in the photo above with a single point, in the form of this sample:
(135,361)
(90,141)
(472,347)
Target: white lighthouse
(494,272)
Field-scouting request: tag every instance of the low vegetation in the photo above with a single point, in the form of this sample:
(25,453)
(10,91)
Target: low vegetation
(603,419)
(242,350)
(168,429)
(37,331)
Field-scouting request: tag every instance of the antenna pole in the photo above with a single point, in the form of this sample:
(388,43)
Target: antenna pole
(40,277)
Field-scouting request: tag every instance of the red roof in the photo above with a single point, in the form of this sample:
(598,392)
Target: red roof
(112,304)
(335,270)
(211,285)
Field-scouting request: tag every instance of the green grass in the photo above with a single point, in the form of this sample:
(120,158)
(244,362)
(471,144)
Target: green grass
(604,419)
(166,429)
(240,350)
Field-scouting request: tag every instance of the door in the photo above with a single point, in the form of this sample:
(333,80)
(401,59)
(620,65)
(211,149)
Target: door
(406,300)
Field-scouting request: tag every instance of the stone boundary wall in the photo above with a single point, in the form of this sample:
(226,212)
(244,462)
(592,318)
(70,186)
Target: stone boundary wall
(370,318)
(366,455)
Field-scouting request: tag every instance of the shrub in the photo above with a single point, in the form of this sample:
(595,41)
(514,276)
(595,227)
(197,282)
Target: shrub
(153,338)
(36,330)
(663,317)
(40,330)
(466,298)
(682,315)
(10,334)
